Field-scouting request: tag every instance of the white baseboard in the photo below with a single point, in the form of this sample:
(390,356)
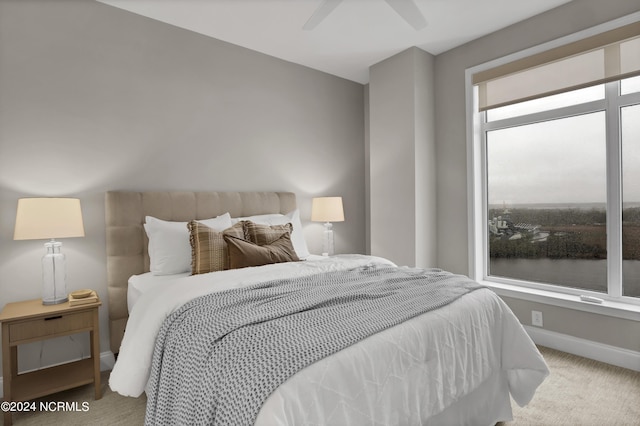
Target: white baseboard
(107,361)
(585,348)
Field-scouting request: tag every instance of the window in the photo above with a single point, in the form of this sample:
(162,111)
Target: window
(630,136)
(550,102)
(546,187)
(556,181)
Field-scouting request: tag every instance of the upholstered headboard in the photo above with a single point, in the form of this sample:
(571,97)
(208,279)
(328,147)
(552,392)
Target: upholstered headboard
(127,242)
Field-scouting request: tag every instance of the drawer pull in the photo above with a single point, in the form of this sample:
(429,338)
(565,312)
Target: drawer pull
(53,318)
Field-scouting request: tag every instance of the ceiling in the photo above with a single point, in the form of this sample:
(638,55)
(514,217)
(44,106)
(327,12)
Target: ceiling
(354,36)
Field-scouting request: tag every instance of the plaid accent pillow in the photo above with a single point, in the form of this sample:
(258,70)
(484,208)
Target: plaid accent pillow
(263,235)
(209,252)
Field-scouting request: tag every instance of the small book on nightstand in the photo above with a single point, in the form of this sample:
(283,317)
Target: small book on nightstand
(91,298)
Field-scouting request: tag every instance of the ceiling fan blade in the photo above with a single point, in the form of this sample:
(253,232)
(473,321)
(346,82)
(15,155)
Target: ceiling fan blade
(320,13)
(408,10)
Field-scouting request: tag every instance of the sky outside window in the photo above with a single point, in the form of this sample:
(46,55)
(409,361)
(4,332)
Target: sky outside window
(560,161)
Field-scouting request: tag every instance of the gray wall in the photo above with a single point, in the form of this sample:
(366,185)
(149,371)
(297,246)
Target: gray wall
(402,171)
(94,98)
(452,151)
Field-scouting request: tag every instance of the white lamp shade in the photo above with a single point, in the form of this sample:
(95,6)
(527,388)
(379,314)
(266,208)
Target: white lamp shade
(45,218)
(327,209)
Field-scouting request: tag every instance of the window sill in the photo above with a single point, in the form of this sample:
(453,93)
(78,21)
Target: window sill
(569,301)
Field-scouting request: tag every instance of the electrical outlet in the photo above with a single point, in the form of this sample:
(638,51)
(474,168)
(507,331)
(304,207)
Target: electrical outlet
(536,318)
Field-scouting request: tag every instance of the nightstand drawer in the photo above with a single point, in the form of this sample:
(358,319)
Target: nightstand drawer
(47,326)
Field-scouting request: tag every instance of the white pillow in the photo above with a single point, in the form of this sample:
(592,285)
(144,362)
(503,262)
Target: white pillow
(297,236)
(169,246)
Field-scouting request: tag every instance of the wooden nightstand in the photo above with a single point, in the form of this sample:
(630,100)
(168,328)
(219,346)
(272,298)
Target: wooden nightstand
(31,321)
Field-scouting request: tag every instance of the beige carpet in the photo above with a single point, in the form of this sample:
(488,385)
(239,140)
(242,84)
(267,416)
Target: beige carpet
(582,392)
(578,392)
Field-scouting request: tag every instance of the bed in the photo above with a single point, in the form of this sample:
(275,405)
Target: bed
(458,362)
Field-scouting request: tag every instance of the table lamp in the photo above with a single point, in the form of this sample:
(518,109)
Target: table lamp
(43,218)
(327,210)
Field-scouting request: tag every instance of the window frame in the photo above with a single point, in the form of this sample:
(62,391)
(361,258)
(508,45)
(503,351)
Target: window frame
(614,303)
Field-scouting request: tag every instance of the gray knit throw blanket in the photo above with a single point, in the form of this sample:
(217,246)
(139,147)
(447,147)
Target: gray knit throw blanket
(220,356)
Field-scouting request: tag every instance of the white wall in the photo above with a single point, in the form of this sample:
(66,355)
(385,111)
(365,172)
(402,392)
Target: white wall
(94,98)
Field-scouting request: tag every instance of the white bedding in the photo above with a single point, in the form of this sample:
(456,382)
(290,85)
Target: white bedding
(139,284)
(404,375)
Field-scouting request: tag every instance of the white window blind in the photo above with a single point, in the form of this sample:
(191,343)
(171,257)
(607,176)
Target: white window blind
(608,56)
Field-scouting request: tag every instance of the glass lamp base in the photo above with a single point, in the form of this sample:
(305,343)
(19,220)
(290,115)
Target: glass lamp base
(55,301)
(327,240)
(54,288)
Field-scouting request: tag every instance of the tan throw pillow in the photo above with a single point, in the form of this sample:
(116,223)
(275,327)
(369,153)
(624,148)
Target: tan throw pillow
(209,251)
(243,253)
(263,235)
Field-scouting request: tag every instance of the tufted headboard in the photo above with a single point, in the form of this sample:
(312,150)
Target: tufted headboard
(127,242)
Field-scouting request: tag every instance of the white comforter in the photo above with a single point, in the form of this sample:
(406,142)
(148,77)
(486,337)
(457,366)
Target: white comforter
(401,375)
